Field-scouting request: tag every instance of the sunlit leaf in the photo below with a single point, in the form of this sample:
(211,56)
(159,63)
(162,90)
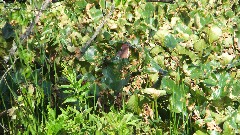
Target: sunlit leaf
(91,54)
(81,4)
(133,103)
(154,92)
(149,9)
(70,100)
(96,14)
(168,85)
(170,41)
(199,132)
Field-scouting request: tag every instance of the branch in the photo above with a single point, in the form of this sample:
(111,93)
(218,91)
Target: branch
(4,127)
(88,43)
(27,33)
(37,17)
(5,74)
(3,113)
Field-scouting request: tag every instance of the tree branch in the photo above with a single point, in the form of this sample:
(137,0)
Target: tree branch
(27,33)
(37,17)
(88,43)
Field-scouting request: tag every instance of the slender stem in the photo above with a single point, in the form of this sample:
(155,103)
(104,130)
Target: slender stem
(156,107)
(88,43)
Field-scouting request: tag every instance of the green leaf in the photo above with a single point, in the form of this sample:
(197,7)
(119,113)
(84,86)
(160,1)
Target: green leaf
(106,35)
(196,72)
(224,79)
(200,45)
(71,48)
(214,33)
(199,132)
(154,92)
(197,21)
(102,4)
(219,84)
(236,90)
(181,28)
(229,13)
(126,118)
(117,2)
(149,10)
(95,14)
(81,4)
(112,79)
(178,98)
(70,100)
(91,54)
(8,31)
(133,103)
(155,68)
(168,85)
(110,75)
(210,82)
(170,41)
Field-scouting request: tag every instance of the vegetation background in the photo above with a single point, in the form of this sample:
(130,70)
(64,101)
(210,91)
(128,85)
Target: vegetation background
(60,74)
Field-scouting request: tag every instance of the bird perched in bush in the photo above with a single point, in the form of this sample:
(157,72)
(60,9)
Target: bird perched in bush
(124,53)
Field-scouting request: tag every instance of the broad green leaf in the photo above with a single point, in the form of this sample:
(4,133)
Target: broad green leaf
(149,10)
(178,98)
(126,118)
(133,103)
(91,54)
(154,92)
(157,49)
(181,28)
(107,35)
(70,100)
(71,48)
(197,21)
(224,79)
(102,4)
(112,79)
(154,68)
(170,41)
(236,90)
(199,132)
(168,85)
(200,45)
(196,72)
(211,80)
(81,4)
(8,31)
(219,84)
(228,129)
(124,1)
(161,34)
(229,14)
(96,14)
(214,33)
(117,2)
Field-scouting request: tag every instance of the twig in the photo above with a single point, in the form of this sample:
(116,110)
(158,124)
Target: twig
(27,33)
(4,75)
(37,17)
(88,43)
(3,113)
(3,127)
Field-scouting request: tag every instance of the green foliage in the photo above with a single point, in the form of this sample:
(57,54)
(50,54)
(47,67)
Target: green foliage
(77,91)
(7,31)
(182,76)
